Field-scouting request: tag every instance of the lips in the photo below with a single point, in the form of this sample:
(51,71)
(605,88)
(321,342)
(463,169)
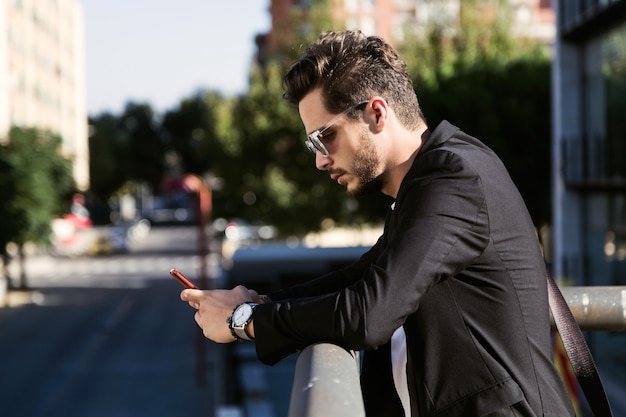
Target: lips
(338,178)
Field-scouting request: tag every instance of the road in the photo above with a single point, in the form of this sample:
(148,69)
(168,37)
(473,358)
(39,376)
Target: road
(108,336)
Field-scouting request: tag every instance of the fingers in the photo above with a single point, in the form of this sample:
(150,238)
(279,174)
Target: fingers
(254,296)
(191,295)
(215,330)
(219,302)
(215,307)
(259,298)
(243,292)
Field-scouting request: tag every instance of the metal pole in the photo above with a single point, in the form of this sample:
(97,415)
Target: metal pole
(598,308)
(196,184)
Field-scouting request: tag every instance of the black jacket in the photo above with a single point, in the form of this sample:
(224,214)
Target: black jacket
(460,267)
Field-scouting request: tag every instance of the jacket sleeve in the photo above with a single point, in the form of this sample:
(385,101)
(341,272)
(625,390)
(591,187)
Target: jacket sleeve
(438,227)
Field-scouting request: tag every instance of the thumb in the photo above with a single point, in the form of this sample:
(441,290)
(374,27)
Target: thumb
(190,295)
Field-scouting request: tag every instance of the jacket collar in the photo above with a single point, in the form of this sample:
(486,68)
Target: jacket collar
(442,133)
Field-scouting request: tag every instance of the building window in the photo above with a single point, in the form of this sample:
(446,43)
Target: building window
(351,6)
(355,6)
(614,74)
(368,25)
(605,155)
(605,75)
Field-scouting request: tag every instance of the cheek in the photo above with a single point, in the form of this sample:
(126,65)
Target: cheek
(365,165)
(366,156)
(352,144)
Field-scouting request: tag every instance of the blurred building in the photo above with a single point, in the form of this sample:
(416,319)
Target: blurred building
(42,74)
(393,19)
(589,171)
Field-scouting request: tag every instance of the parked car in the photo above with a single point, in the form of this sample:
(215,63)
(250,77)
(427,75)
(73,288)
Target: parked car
(242,231)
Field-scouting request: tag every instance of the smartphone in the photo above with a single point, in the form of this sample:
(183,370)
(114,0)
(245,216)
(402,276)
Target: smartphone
(182,279)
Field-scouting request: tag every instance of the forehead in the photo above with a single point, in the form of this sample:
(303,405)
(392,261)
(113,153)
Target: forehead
(312,111)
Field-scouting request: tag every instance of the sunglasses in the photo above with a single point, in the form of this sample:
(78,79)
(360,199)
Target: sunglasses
(313,140)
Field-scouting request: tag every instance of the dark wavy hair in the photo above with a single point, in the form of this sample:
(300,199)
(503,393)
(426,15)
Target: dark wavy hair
(350,67)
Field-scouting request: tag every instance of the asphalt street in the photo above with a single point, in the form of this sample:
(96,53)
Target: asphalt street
(108,336)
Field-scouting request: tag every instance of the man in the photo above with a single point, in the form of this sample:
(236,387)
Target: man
(450,305)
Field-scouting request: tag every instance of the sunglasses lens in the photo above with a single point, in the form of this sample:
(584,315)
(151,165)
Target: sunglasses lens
(310,146)
(314,144)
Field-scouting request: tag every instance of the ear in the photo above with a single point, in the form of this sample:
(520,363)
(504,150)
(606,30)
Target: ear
(377,112)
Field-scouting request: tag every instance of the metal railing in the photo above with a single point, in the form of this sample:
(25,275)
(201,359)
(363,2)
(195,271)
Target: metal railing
(326,380)
(597,308)
(326,383)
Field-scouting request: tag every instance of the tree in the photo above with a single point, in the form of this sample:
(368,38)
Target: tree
(510,112)
(270,175)
(192,131)
(253,142)
(8,192)
(125,150)
(146,152)
(495,87)
(108,152)
(35,183)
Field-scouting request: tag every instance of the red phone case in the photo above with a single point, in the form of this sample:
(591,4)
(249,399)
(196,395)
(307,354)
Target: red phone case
(182,279)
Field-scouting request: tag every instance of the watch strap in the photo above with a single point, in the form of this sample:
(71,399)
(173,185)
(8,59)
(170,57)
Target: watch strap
(240,335)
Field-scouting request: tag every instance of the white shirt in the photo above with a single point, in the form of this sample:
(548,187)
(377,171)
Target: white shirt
(398,363)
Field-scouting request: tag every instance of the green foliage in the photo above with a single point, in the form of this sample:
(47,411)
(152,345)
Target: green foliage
(107,154)
(8,193)
(253,143)
(269,150)
(508,108)
(481,38)
(192,131)
(493,86)
(125,148)
(476,75)
(146,150)
(34,185)
(273,179)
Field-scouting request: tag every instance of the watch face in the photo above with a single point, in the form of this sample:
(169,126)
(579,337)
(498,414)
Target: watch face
(242,314)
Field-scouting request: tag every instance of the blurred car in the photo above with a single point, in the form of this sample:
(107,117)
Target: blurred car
(174,208)
(243,232)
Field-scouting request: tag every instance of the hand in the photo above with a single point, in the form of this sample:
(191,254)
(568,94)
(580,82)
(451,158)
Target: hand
(259,298)
(215,307)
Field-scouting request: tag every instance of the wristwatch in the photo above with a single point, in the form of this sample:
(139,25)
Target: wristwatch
(240,318)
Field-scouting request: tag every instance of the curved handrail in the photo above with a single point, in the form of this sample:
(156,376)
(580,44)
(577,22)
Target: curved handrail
(326,383)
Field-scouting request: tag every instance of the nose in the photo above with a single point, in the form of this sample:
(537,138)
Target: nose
(322,161)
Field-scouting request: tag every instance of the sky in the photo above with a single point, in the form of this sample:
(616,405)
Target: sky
(161,51)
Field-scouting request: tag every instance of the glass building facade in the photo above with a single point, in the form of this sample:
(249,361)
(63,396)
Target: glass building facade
(589,172)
